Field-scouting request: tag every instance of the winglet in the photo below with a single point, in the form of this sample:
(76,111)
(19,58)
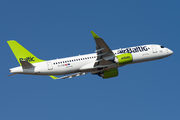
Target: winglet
(94,35)
(53,77)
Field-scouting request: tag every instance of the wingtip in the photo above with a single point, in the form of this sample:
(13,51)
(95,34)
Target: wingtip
(94,35)
(11,41)
(53,77)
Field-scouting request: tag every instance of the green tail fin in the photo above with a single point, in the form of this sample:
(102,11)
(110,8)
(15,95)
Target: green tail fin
(21,53)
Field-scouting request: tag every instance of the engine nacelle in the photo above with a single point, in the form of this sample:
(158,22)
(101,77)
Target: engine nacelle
(123,58)
(109,73)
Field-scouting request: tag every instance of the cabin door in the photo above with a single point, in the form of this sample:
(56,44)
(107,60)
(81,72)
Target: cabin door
(154,50)
(49,64)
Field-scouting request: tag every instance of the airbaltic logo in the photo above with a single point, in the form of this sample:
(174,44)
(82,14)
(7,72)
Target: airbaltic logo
(125,57)
(29,59)
(133,49)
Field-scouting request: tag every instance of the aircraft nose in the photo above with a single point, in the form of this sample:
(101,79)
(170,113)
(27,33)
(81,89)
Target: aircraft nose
(170,52)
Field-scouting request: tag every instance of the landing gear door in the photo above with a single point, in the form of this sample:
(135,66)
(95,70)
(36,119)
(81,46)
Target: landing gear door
(49,64)
(154,50)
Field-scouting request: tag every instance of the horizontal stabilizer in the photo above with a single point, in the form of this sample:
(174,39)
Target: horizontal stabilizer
(12,74)
(26,65)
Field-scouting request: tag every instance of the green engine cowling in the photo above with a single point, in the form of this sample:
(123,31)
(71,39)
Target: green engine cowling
(123,58)
(120,60)
(110,73)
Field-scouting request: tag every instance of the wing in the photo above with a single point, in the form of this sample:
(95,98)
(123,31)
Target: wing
(69,76)
(105,56)
(104,61)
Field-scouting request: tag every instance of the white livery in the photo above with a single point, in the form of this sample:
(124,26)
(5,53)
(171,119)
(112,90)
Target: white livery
(103,63)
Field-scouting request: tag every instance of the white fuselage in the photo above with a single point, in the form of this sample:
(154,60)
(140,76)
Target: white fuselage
(86,62)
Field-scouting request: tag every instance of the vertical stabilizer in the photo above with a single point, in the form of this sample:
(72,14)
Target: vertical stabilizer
(22,53)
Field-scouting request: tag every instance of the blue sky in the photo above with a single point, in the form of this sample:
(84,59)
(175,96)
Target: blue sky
(56,29)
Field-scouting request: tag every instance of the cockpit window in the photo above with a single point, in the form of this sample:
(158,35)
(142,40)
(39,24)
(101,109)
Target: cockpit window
(162,46)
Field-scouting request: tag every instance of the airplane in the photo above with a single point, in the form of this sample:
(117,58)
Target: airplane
(103,63)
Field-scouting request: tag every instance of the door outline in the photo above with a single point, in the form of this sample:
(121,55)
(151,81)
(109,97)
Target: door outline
(49,64)
(154,50)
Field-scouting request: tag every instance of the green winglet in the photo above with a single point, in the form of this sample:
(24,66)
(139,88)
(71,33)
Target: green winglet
(94,35)
(53,77)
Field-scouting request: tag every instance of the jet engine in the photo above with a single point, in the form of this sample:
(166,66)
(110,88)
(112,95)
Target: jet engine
(123,58)
(109,73)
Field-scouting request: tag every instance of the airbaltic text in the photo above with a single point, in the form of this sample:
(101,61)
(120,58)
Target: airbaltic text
(133,49)
(29,59)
